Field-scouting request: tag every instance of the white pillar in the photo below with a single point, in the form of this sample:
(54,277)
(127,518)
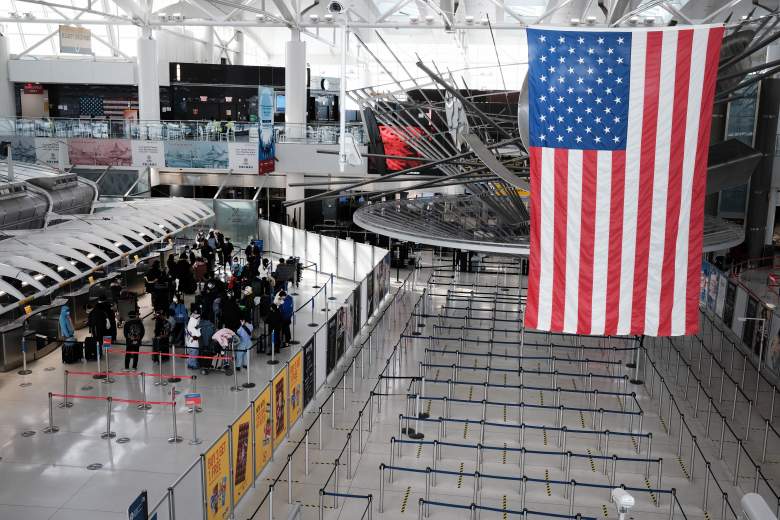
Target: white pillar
(7,95)
(148,81)
(294,193)
(208,47)
(238,58)
(295,86)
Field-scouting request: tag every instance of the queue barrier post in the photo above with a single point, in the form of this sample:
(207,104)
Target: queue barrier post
(51,428)
(175,438)
(173,378)
(65,403)
(108,434)
(144,405)
(194,441)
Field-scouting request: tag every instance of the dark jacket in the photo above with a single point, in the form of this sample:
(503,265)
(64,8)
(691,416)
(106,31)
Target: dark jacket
(134,332)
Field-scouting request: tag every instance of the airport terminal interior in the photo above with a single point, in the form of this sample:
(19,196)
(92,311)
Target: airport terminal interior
(388,259)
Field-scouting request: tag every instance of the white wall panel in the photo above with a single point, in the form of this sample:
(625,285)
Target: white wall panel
(303,158)
(328,255)
(276,238)
(313,249)
(73,71)
(363,260)
(287,241)
(320,355)
(299,249)
(346,259)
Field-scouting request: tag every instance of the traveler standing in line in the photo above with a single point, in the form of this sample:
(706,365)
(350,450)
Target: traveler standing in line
(287,309)
(274,322)
(134,335)
(193,337)
(245,334)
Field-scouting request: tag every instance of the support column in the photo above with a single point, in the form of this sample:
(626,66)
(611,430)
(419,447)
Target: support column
(238,58)
(148,81)
(294,193)
(208,47)
(295,86)
(7,94)
(759,195)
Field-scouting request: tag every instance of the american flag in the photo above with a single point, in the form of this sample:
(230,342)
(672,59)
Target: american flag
(619,132)
(111,108)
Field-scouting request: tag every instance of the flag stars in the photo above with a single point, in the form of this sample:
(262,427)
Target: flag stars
(599,81)
(571,50)
(561,59)
(578,139)
(569,129)
(551,89)
(580,40)
(619,80)
(616,139)
(600,40)
(569,110)
(560,119)
(542,38)
(542,58)
(617,100)
(591,50)
(587,129)
(561,40)
(570,90)
(610,51)
(600,61)
(620,40)
(560,79)
(551,128)
(542,98)
(597,139)
(580,60)
(560,138)
(552,49)
(620,61)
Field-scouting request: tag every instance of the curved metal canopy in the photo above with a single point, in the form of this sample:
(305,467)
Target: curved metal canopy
(458,221)
(83,244)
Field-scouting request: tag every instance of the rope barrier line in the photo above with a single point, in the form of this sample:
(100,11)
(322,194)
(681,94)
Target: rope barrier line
(113,399)
(125,374)
(526,405)
(511,356)
(168,354)
(528,387)
(524,370)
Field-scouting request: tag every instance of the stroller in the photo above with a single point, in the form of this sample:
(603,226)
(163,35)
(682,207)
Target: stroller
(223,341)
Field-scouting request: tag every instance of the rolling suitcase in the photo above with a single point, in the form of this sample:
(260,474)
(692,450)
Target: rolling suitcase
(90,348)
(71,352)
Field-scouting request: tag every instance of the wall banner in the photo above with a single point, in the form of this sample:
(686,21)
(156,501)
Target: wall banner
(217,474)
(263,429)
(280,397)
(51,151)
(196,154)
(148,154)
(308,371)
(332,358)
(296,387)
(242,463)
(22,148)
(100,152)
(75,40)
(242,157)
(356,312)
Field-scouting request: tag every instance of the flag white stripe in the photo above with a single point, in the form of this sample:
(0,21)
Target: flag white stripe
(546,234)
(660,193)
(698,49)
(601,240)
(573,228)
(631,194)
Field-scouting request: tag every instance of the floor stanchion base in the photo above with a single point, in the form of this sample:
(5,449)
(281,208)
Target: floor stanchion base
(174,440)
(108,435)
(248,385)
(51,429)
(195,442)
(314,324)
(272,362)
(161,383)
(424,415)
(24,372)
(294,342)
(316,286)
(416,436)
(197,409)
(99,376)
(417,333)
(332,298)
(174,379)
(65,404)
(144,406)
(25,384)
(107,380)
(408,431)
(636,381)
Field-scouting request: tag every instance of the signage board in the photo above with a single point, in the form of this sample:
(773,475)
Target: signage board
(75,40)
(139,509)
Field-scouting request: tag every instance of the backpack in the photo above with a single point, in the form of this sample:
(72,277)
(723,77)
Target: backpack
(180,313)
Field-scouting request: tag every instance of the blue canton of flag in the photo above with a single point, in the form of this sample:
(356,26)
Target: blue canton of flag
(578,88)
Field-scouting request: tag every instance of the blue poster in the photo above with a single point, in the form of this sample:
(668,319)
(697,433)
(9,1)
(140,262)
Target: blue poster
(23,149)
(266,104)
(705,278)
(196,154)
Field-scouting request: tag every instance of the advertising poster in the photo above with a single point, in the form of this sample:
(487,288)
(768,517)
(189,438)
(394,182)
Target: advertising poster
(348,328)
(341,319)
(729,302)
(51,151)
(369,295)
(331,354)
(266,142)
(242,157)
(242,455)
(705,278)
(196,154)
(749,327)
(721,298)
(217,473)
(263,429)
(75,40)
(22,148)
(381,280)
(712,288)
(356,312)
(296,387)
(773,356)
(309,373)
(280,406)
(100,152)
(148,154)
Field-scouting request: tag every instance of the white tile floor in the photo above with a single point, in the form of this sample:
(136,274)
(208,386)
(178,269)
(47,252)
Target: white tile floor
(499,490)
(45,475)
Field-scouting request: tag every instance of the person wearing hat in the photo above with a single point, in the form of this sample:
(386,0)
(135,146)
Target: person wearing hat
(134,335)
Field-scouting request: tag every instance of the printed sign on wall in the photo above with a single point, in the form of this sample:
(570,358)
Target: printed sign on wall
(280,406)
(296,387)
(51,151)
(75,40)
(217,474)
(148,154)
(100,152)
(308,371)
(196,154)
(263,429)
(242,442)
(22,148)
(242,157)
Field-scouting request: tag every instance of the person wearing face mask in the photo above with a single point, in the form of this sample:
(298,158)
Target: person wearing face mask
(181,317)
(193,337)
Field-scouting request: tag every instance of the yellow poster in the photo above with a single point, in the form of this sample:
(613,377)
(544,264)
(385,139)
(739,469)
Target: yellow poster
(296,387)
(280,406)
(263,431)
(217,474)
(242,455)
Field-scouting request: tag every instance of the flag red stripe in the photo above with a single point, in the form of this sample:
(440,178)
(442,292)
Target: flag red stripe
(677,153)
(696,220)
(646,174)
(587,234)
(532,298)
(615,241)
(561,170)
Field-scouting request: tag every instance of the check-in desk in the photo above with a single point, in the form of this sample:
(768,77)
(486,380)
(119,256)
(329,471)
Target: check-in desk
(37,332)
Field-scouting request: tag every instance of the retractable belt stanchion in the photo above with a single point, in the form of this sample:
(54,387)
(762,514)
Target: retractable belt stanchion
(313,323)
(173,378)
(293,341)
(160,381)
(331,288)
(249,383)
(236,387)
(24,371)
(105,347)
(144,405)
(316,277)
(273,360)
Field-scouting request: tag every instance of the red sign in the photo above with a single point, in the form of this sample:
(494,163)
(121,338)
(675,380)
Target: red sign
(33,88)
(191,400)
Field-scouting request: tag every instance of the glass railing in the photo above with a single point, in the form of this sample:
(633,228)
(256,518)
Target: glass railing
(315,133)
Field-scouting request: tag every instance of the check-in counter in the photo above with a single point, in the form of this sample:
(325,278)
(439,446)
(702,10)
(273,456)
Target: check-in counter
(132,279)
(37,332)
(77,303)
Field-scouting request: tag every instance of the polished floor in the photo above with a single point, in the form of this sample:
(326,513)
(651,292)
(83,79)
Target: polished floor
(46,476)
